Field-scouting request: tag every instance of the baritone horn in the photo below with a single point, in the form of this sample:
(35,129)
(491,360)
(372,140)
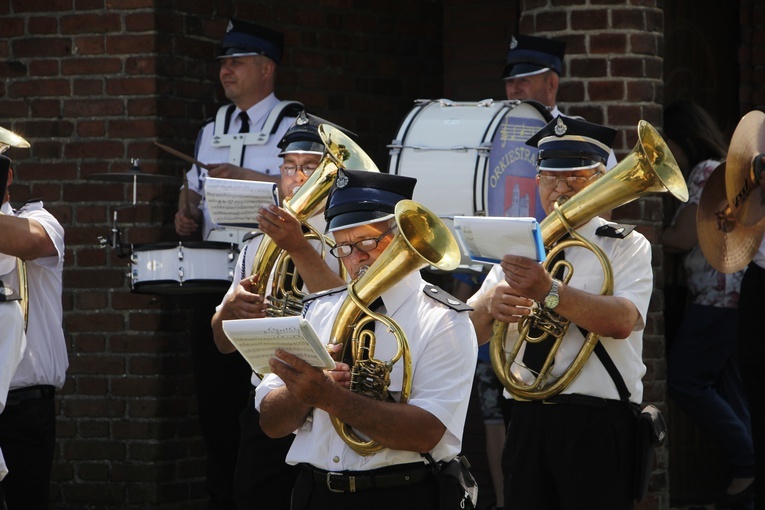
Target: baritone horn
(649,168)
(422,240)
(286,294)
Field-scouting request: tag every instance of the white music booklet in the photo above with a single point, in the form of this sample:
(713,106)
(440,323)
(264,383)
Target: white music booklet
(235,202)
(258,339)
(487,239)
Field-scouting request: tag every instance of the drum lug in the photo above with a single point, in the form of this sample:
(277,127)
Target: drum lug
(485,103)
(180,252)
(231,274)
(180,275)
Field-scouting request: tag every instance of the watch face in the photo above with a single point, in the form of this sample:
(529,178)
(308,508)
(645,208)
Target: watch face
(551,301)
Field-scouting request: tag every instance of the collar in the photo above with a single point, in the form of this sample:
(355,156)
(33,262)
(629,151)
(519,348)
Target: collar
(7,209)
(259,111)
(395,297)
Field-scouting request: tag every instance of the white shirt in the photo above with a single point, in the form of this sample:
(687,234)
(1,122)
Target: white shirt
(258,158)
(249,249)
(444,350)
(45,360)
(630,259)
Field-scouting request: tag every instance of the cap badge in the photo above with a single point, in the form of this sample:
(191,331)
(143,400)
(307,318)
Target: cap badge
(302,119)
(513,43)
(230,26)
(341,181)
(560,127)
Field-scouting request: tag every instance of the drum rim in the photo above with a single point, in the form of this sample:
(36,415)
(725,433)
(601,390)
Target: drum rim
(168,245)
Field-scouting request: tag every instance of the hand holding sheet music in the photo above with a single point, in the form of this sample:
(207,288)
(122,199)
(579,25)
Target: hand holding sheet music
(258,339)
(487,239)
(235,202)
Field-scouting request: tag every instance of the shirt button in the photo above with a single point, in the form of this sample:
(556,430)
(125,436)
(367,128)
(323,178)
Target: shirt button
(335,459)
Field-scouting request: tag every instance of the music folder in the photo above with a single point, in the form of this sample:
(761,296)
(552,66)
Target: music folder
(257,340)
(487,239)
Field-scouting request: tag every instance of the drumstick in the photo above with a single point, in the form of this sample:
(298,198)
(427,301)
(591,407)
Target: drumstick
(185,180)
(181,155)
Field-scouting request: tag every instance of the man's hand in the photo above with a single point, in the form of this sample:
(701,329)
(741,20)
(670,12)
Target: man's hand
(244,303)
(285,230)
(507,305)
(527,277)
(229,171)
(311,386)
(185,225)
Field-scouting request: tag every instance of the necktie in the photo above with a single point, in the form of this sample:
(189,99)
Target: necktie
(244,129)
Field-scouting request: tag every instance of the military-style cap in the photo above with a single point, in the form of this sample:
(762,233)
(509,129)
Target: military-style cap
(359,198)
(571,144)
(244,39)
(530,55)
(301,138)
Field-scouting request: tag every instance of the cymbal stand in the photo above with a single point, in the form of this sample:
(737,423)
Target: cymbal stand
(116,234)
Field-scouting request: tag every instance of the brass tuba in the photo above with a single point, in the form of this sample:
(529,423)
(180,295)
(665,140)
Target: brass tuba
(422,239)
(285,296)
(650,167)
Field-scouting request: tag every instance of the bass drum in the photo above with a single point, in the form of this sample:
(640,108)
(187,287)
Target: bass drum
(186,267)
(471,158)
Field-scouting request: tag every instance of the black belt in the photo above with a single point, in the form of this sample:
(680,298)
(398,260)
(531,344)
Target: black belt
(355,481)
(575,399)
(41,392)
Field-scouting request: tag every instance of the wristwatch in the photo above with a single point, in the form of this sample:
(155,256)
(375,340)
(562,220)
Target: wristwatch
(552,299)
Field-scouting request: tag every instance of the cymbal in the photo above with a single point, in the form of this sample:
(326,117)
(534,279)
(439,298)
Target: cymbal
(746,200)
(133,176)
(727,244)
(11,139)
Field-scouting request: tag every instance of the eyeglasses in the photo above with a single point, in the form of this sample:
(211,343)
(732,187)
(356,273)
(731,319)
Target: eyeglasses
(343,250)
(575,181)
(289,170)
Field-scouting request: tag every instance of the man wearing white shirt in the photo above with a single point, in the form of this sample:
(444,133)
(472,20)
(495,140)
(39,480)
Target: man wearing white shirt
(27,424)
(239,142)
(301,399)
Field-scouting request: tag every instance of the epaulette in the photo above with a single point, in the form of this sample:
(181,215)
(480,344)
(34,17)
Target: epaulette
(329,292)
(251,235)
(444,297)
(614,230)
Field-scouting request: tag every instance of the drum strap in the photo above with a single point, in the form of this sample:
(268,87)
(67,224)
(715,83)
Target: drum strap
(236,141)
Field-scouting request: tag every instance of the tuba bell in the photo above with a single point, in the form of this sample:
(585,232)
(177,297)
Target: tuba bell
(286,295)
(422,240)
(650,167)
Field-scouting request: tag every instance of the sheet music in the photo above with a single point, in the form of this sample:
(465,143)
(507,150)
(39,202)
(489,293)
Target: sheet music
(257,339)
(487,239)
(235,202)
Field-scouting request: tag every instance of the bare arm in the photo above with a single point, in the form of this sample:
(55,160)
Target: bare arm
(681,236)
(24,238)
(501,304)
(229,171)
(286,231)
(242,304)
(609,316)
(308,387)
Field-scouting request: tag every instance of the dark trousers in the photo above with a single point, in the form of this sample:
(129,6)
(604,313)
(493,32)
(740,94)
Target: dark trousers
(310,495)
(262,479)
(27,438)
(223,388)
(751,350)
(703,377)
(570,456)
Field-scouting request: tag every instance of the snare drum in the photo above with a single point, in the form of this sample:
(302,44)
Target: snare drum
(186,267)
(471,158)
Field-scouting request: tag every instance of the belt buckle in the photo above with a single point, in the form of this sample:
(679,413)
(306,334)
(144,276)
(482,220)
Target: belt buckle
(351,482)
